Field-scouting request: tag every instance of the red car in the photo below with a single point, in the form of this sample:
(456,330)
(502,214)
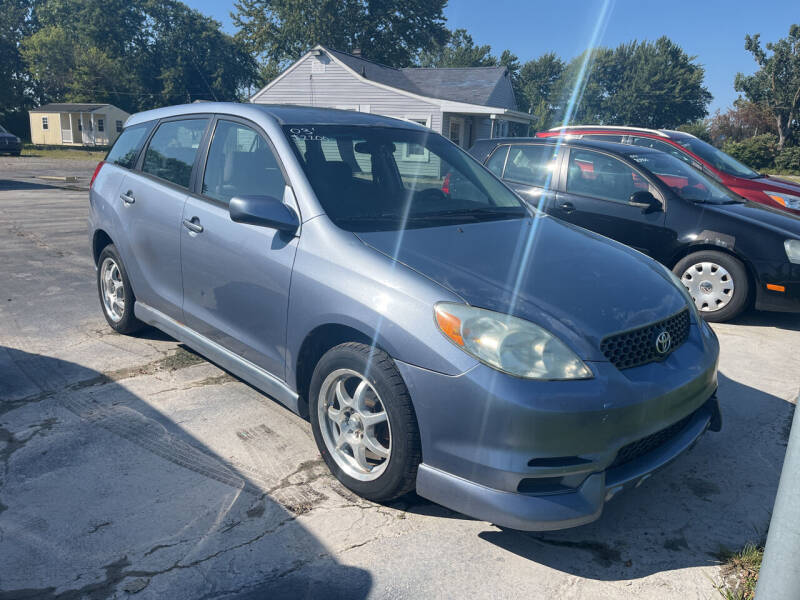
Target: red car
(739,178)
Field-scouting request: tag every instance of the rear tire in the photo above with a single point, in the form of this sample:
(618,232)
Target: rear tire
(358,400)
(116,294)
(718,283)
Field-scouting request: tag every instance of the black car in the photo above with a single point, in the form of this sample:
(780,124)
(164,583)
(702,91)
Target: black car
(9,143)
(730,253)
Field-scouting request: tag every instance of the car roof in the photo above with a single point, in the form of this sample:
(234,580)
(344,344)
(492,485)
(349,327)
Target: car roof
(284,114)
(614,147)
(611,129)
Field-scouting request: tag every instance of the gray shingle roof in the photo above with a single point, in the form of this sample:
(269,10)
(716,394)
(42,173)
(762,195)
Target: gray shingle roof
(68,107)
(474,85)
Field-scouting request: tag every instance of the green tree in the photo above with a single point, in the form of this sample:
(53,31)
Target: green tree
(392,32)
(187,57)
(644,84)
(776,84)
(19,91)
(459,50)
(136,54)
(698,129)
(537,81)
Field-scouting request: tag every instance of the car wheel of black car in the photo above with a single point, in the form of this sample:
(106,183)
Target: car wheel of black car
(364,423)
(717,282)
(116,295)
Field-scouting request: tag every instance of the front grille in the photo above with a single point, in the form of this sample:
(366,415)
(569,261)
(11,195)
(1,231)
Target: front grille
(647,444)
(638,346)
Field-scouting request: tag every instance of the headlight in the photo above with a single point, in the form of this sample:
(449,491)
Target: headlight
(509,344)
(792,251)
(786,200)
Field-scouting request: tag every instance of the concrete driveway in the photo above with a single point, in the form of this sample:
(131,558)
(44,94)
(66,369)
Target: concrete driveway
(130,465)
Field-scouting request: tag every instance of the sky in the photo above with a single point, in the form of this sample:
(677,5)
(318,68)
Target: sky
(711,30)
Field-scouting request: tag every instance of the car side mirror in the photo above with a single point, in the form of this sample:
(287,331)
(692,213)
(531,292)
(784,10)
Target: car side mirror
(646,200)
(264,211)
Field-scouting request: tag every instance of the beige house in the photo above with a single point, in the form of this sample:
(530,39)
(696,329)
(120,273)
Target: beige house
(76,124)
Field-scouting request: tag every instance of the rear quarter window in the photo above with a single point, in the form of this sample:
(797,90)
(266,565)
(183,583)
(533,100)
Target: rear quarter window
(129,144)
(173,148)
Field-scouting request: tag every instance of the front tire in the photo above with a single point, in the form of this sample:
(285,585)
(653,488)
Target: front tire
(717,282)
(116,294)
(364,423)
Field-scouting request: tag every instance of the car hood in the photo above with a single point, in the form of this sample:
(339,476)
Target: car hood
(760,215)
(779,185)
(577,284)
(10,136)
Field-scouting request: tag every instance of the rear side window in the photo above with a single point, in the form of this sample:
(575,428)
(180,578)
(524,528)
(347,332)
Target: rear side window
(172,150)
(532,165)
(602,176)
(498,160)
(662,146)
(128,145)
(241,163)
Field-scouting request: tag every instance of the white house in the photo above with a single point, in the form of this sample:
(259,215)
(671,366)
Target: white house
(462,104)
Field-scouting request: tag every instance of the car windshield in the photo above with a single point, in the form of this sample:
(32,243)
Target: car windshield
(717,158)
(685,181)
(389,179)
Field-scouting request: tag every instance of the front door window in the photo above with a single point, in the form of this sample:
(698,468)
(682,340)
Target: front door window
(456,130)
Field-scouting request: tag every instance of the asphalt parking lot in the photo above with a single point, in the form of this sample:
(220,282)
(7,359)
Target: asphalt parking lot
(130,466)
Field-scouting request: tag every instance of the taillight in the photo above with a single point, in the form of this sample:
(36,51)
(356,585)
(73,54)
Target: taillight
(96,171)
(446,184)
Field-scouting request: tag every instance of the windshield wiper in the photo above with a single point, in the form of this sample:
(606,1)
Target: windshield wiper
(472,212)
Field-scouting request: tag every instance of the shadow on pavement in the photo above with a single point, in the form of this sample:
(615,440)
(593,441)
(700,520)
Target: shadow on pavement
(7,185)
(176,507)
(718,496)
(788,321)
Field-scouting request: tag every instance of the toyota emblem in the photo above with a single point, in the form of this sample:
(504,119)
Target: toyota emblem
(663,342)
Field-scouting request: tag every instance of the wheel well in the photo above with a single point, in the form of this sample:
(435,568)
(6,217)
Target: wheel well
(317,343)
(99,241)
(751,275)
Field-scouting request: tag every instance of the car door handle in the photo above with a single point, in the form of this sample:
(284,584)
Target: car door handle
(567,207)
(127,197)
(193,224)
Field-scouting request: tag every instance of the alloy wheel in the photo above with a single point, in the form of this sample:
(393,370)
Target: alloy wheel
(354,425)
(112,289)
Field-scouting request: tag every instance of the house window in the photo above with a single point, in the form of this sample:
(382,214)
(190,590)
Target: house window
(456,125)
(100,125)
(44,123)
(119,126)
(416,152)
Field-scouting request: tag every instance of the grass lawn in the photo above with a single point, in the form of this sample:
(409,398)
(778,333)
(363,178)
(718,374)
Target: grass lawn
(740,573)
(795,178)
(69,153)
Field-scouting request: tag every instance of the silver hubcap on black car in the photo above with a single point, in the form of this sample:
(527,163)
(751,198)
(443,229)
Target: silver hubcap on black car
(709,284)
(112,289)
(354,425)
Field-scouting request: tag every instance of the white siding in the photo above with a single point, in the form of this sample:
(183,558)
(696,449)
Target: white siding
(326,84)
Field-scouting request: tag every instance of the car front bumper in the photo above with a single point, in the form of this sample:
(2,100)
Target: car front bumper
(777,273)
(10,146)
(541,455)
